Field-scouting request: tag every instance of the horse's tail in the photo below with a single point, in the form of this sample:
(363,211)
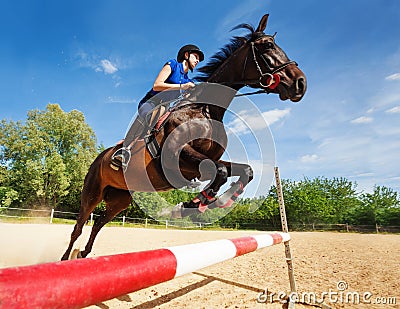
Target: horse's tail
(93,175)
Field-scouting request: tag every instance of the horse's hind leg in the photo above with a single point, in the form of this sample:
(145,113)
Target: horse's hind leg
(116,201)
(90,197)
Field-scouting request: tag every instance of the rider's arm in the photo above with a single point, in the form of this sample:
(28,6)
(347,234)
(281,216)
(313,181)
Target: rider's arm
(161,85)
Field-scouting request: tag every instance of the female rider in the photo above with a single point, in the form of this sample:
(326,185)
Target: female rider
(171,80)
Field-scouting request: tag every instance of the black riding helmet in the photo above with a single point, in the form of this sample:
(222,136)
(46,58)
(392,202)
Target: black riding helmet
(191,49)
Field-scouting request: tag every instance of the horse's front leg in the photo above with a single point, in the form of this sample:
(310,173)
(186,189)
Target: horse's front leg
(216,171)
(245,173)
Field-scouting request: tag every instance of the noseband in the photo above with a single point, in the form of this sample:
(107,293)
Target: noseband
(272,79)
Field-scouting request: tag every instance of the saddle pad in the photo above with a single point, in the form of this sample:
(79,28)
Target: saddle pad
(161,120)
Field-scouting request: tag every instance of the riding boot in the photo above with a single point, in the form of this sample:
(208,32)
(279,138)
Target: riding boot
(122,156)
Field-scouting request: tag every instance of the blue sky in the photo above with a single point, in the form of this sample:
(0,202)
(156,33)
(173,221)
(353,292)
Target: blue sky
(100,57)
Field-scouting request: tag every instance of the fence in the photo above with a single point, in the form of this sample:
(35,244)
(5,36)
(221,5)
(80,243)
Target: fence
(54,285)
(48,216)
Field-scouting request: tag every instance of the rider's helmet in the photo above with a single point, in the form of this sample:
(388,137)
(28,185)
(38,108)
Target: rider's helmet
(191,49)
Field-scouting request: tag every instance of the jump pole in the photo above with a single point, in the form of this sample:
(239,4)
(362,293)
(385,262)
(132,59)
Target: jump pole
(84,282)
(285,229)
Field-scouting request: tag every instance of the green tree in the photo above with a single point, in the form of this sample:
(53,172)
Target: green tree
(382,207)
(342,197)
(47,157)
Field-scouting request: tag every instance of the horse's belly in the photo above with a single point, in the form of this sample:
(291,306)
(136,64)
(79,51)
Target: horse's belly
(143,173)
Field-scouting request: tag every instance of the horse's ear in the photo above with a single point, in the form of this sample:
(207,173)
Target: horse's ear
(263,23)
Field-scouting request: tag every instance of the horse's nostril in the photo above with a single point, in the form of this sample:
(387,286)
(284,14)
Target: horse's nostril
(301,85)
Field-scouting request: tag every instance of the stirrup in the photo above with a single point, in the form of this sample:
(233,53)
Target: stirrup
(120,158)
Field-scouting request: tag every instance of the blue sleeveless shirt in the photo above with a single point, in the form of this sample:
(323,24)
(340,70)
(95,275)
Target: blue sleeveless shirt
(177,76)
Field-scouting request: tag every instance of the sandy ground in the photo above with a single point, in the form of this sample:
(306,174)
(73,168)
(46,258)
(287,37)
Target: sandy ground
(362,263)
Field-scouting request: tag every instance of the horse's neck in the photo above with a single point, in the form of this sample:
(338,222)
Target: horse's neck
(217,96)
(229,76)
(218,109)
(230,73)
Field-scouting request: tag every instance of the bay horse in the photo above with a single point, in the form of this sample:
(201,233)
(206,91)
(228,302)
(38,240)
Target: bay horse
(193,139)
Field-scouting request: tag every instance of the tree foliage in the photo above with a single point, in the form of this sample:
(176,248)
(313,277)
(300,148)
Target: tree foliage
(46,158)
(381,207)
(43,162)
(316,201)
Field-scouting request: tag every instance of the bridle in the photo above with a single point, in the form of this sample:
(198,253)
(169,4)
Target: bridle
(272,71)
(267,80)
(271,77)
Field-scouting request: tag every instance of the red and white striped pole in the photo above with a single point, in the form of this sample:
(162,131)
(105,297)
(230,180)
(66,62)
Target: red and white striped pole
(79,283)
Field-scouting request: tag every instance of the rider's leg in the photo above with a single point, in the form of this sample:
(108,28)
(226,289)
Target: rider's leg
(135,132)
(155,115)
(122,156)
(148,116)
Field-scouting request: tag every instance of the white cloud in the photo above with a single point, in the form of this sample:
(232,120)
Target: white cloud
(246,122)
(369,174)
(394,110)
(124,100)
(275,115)
(388,99)
(107,67)
(309,158)
(362,119)
(93,61)
(395,76)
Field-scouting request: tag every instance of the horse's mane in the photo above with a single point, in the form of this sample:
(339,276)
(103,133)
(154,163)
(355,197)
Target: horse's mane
(224,53)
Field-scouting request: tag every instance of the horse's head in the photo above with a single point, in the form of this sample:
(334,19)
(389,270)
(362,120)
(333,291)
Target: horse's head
(258,62)
(268,67)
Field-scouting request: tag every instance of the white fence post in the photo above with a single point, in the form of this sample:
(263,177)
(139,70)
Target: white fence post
(91,218)
(51,215)
(123,220)
(285,229)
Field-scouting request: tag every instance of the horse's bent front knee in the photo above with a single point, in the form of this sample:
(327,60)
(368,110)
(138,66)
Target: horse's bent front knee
(222,172)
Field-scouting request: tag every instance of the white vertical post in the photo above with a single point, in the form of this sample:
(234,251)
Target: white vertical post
(123,220)
(91,218)
(145,223)
(285,229)
(51,215)
(166,224)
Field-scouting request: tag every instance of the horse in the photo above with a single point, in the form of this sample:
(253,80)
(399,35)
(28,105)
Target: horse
(193,139)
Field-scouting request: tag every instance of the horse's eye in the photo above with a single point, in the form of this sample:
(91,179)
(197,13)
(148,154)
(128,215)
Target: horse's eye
(269,45)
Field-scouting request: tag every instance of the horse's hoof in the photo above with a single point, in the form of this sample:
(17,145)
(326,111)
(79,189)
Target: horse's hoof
(177,211)
(76,254)
(193,184)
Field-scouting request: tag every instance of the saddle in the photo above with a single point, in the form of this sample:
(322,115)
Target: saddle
(150,140)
